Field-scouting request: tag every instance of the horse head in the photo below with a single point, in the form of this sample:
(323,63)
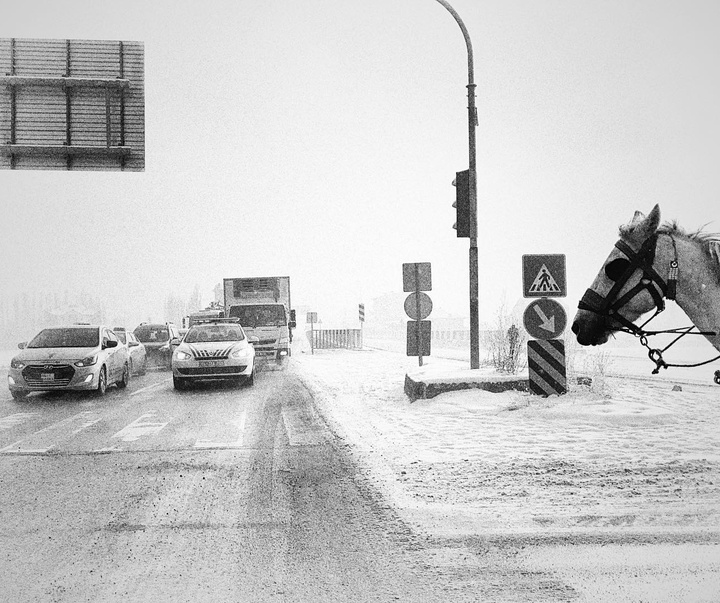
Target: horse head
(626,287)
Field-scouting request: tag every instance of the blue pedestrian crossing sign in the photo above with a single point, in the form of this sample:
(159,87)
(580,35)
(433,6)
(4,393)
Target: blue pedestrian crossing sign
(544,275)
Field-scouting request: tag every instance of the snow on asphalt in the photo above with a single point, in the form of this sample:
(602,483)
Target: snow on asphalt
(635,453)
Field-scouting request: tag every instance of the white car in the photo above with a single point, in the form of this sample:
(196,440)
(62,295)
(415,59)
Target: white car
(217,349)
(75,357)
(136,350)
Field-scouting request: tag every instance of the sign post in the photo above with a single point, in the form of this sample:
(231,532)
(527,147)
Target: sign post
(361,317)
(312,319)
(545,320)
(417,278)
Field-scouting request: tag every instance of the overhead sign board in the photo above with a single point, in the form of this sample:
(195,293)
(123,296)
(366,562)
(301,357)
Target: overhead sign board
(544,275)
(544,318)
(417,277)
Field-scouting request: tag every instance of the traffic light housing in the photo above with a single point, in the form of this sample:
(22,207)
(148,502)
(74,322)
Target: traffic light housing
(462,203)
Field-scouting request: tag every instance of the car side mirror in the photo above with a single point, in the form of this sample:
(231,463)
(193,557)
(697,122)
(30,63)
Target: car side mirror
(253,339)
(110,344)
(133,344)
(21,346)
(175,341)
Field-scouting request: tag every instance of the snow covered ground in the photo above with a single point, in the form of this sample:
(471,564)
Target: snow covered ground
(634,453)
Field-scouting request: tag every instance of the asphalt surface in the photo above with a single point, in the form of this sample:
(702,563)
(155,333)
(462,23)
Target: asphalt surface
(244,494)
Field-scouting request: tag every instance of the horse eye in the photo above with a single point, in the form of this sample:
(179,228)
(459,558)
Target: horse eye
(615,269)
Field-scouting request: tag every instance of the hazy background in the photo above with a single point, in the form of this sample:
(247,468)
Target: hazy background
(319,139)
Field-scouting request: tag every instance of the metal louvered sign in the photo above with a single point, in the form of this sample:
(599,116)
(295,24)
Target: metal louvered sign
(546,367)
(72,104)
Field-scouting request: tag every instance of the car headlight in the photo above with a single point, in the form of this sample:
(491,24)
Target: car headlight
(180,355)
(17,364)
(240,353)
(88,361)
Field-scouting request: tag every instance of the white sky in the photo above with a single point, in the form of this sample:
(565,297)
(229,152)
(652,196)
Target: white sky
(318,139)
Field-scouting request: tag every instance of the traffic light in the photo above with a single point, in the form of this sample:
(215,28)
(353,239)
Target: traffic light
(462,203)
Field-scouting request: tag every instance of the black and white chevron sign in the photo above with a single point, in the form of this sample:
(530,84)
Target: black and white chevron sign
(546,366)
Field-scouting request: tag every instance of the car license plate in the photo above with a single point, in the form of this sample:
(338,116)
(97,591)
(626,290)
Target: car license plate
(47,376)
(208,363)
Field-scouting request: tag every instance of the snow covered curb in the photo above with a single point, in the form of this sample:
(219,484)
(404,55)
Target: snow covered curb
(421,384)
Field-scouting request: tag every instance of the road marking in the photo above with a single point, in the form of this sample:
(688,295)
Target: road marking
(48,438)
(17,419)
(300,431)
(239,423)
(149,387)
(140,427)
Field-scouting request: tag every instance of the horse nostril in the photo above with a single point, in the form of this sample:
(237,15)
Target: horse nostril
(575,328)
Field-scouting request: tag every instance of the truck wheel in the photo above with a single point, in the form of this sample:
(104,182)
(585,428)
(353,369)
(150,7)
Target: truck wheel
(19,394)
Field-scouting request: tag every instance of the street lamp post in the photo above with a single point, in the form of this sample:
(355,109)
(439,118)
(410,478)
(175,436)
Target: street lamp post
(473,255)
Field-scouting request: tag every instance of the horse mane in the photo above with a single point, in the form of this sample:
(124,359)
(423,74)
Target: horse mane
(709,242)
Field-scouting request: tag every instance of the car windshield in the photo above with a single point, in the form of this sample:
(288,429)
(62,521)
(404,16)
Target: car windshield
(66,338)
(214,333)
(121,336)
(150,334)
(259,316)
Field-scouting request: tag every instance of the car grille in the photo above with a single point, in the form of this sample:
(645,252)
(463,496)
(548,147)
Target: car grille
(212,354)
(62,374)
(211,370)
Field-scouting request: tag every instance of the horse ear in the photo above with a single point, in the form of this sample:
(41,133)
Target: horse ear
(638,217)
(649,224)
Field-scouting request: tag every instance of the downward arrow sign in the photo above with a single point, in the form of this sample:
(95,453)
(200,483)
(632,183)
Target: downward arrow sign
(546,323)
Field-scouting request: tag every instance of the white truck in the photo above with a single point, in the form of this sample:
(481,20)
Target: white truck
(262,304)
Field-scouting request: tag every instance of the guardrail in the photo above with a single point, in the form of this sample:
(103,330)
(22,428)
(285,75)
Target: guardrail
(328,339)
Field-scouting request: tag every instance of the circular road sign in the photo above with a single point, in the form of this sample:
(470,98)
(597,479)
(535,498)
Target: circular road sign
(418,305)
(544,318)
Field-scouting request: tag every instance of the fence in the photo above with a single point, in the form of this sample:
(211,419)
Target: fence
(328,339)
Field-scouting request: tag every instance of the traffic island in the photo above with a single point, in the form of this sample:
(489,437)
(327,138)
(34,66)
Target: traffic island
(425,386)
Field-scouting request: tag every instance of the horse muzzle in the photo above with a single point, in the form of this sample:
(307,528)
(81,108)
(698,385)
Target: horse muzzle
(590,328)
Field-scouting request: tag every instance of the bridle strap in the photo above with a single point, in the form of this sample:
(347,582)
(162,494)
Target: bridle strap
(651,282)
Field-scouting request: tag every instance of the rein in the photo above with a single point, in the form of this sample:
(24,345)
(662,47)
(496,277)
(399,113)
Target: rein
(609,305)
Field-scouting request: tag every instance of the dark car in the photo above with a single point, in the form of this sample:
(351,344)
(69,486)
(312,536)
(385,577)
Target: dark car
(157,339)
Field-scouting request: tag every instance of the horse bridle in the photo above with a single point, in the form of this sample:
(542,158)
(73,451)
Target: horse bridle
(608,306)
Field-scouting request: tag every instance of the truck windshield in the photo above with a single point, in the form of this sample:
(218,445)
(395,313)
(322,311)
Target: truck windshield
(66,338)
(259,316)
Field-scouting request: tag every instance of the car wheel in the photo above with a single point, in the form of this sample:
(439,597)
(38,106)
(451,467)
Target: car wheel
(102,382)
(250,381)
(19,394)
(180,383)
(122,384)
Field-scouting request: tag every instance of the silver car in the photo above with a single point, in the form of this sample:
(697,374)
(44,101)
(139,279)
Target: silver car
(136,350)
(214,350)
(75,357)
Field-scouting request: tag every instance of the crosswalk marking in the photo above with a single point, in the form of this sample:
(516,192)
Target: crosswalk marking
(47,439)
(140,427)
(240,424)
(17,419)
